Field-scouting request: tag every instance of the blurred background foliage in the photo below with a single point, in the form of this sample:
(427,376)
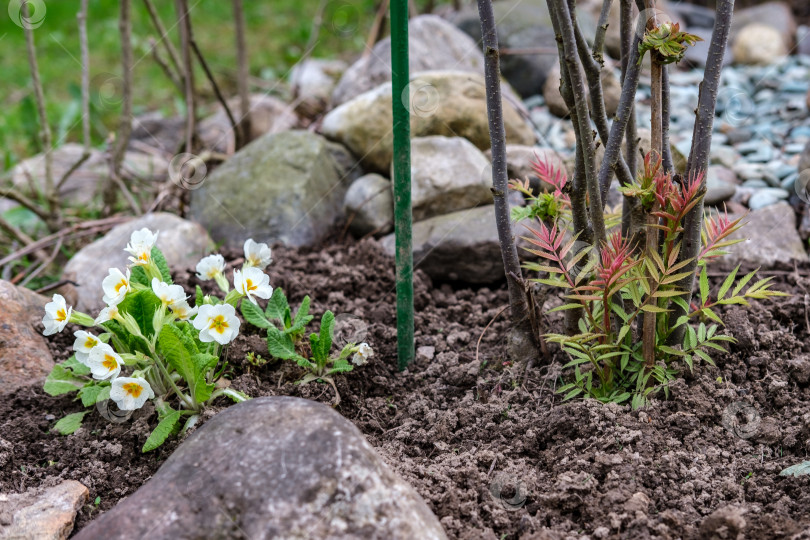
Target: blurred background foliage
(278,34)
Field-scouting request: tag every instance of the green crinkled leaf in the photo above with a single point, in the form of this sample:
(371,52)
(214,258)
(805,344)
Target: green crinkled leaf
(341,365)
(138,275)
(280,345)
(179,357)
(199,297)
(75,366)
(142,306)
(92,391)
(276,306)
(325,338)
(302,314)
(62,381)
(70,423)
(190,337)
(254,315)
(203,364)
(163,267)
(162,431)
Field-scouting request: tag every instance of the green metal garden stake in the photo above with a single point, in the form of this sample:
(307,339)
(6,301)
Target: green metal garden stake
(402,180)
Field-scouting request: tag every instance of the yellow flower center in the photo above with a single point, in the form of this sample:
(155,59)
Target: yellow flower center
(61,315)
(91,342)
(133,389)
(109,362)
(254,260)
(249,286)
(121,285)
(219,324)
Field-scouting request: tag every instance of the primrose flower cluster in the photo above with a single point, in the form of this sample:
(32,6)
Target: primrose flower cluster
(150,343)
(149,329)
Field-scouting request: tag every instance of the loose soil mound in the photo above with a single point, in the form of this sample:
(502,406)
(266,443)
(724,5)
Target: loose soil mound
(494,458)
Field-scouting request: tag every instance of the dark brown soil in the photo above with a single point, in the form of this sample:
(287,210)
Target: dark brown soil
(493,458)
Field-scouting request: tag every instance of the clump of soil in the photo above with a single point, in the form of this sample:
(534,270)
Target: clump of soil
(495,457)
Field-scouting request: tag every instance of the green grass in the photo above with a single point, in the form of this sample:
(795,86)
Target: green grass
(277,33)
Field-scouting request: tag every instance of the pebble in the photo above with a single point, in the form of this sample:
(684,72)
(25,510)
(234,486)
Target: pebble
(718,191)
(766,197)
(781,169)
(790,182)
(755,183)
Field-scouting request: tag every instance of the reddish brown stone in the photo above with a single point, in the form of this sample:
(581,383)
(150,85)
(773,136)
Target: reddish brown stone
(24,354)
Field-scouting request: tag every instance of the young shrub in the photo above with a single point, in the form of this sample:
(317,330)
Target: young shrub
(624,281)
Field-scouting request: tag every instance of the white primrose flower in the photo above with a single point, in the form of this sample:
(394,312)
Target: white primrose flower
(104,362)
(257,255)
(183,311)
(109,313)
(363,353)
(168,294)
(115,286)
(217,323)
(210,267)
(251,281)
(140,246)
(130,393)
(57,315)
(85,342)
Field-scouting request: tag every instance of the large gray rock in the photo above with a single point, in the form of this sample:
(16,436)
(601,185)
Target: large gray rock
(434,44)
(522,25)
(447,174)
(450,103)
(43,513)
(24,354)
(267,115)
(183,243)
(274,467)
(461,246)
(369,205)
(154,130)
(312,82)
(281,187)
(718,190)
(770,236)
(758,44)
(777,15)
(86,182)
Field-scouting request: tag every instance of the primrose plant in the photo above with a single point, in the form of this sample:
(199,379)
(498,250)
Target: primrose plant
(286,340)
(613,288)
(149,343)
